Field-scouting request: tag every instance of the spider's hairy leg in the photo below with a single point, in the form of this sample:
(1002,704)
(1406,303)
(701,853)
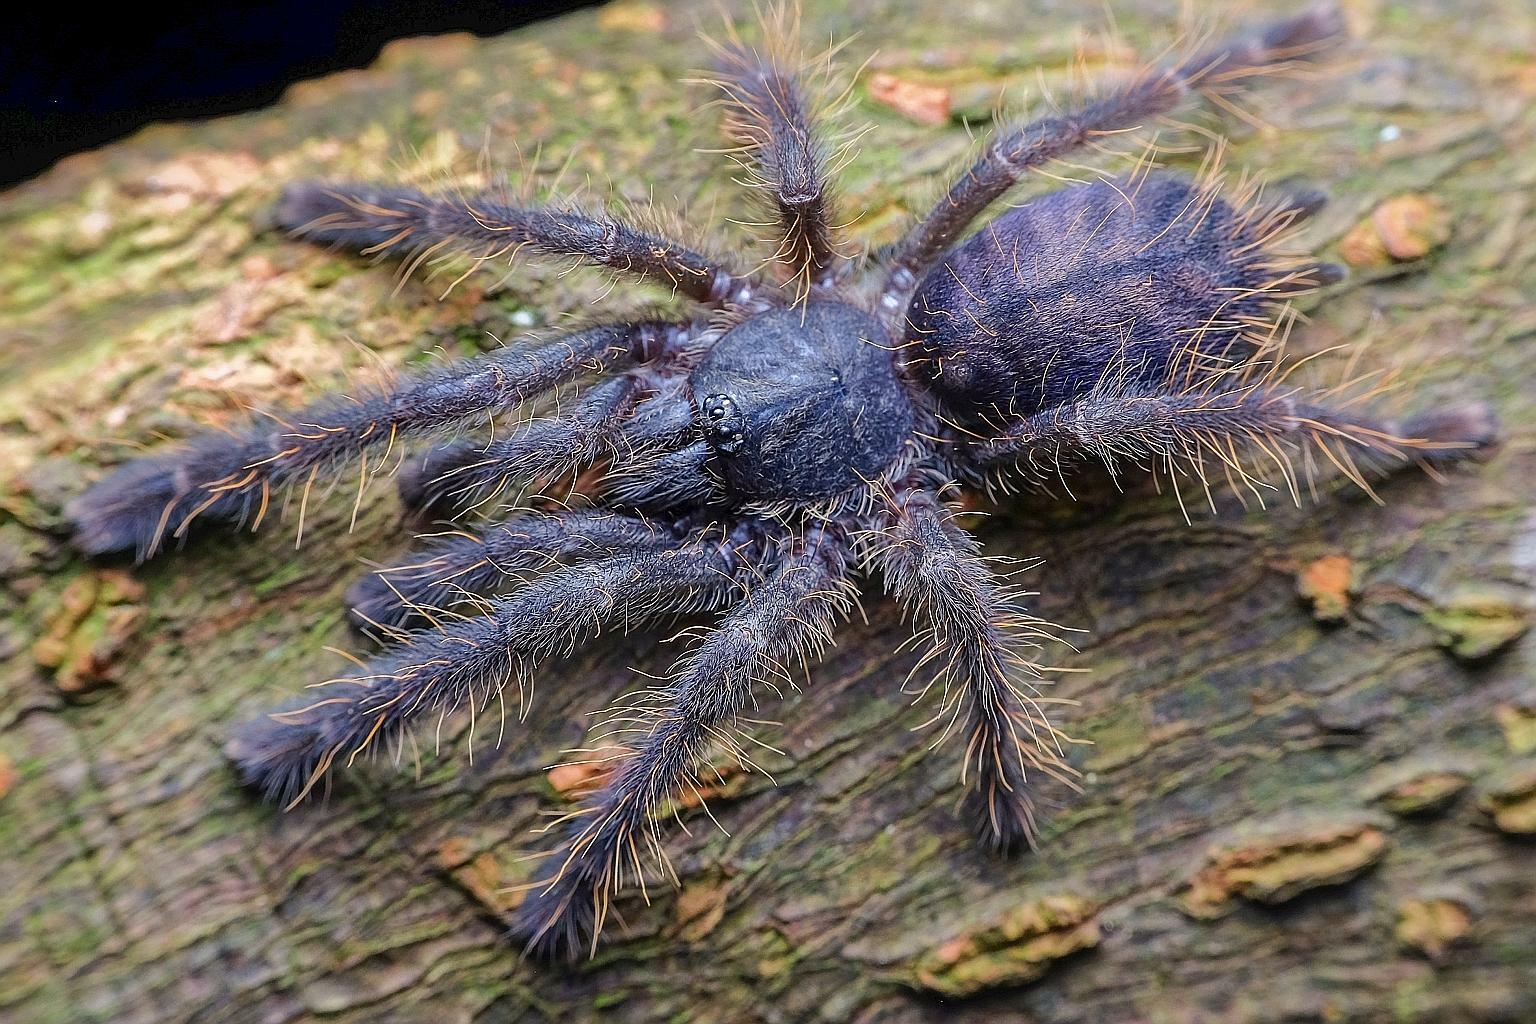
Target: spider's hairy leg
(768,114)
(980,635)
(468,663)
(385,219)
(666,478)
(1299,204)
(458,477)
(648,403)
(1229,434)
(460,568)
(1015,152)
(788,616)
(661,420)
(232,476)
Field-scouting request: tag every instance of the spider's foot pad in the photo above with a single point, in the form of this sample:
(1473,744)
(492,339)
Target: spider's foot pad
(1473,424)
(556,922)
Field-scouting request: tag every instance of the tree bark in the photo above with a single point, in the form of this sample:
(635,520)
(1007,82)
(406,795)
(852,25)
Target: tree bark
(1311,784)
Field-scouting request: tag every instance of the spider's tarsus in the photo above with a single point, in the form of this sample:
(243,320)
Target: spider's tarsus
(1471,424)
(1303,203)
(1003,822)
(344,216)
(1323,275)
(126,510)
(1320,25)
(1279,42)
(279,754)
(558,918)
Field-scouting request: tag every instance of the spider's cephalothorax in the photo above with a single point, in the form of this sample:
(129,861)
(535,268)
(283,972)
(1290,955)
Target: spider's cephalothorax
(801,403)
(749,462)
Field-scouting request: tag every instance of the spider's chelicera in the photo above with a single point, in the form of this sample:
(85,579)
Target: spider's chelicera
(749,462)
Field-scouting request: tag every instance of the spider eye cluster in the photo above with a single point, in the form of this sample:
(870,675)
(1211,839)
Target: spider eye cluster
(723,424)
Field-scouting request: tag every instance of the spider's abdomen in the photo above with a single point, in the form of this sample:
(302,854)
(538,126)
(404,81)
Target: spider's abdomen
(801,403)
(1086,284)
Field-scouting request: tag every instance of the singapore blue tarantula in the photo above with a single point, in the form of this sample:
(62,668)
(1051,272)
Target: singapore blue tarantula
(806,427)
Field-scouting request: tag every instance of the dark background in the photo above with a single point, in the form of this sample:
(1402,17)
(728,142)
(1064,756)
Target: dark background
(71,81)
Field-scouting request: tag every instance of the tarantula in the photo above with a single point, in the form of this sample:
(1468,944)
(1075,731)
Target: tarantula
(804,428)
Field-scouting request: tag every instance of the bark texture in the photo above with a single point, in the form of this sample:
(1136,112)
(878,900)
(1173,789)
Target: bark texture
(1311,787)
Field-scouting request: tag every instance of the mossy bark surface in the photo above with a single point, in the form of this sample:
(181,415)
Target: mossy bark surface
(1310,790)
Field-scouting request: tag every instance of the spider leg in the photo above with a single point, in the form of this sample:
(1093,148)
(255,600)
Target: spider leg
(458,568)
(979,634)
(1300,204)
(663,419)
(457,477)
(787,616)
(469,662)
(612,419)
(1013,153)
(376,218)
(231,476)
(767,112)
(1222,429)
(666,478)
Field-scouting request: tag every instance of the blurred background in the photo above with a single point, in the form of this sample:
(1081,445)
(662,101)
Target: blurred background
(73,81)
